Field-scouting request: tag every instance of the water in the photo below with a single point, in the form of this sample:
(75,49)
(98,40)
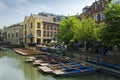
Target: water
(13,67)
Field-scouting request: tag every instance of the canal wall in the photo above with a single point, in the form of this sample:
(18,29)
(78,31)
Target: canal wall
(109,57)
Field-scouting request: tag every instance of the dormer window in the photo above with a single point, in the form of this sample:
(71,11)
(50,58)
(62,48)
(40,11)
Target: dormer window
(55,19)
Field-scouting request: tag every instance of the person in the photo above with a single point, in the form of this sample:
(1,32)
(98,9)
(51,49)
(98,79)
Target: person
(102,50)
(105,50)
(115,48)
(62,47)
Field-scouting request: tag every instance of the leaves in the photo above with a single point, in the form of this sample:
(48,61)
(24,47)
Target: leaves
(68,29)
(111,33)
(72,29)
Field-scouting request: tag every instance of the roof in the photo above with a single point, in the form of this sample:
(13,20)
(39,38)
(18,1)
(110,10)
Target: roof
(17,24)
(27,17)
(86,7)
(51,19)
(30,36)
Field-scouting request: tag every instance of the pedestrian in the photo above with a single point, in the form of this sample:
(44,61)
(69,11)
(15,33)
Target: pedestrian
(102,49)
(115,48)
(105,50)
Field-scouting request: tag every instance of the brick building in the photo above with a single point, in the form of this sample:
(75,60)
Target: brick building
(1,35)
(95,11)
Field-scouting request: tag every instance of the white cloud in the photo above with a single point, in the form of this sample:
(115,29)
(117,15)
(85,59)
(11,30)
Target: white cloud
(17,13)
(16,10)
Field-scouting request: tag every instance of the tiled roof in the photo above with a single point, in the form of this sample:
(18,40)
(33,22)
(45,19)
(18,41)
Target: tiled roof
(17,24)
(51,19)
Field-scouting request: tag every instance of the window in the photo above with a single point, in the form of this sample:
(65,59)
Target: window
(95,7)
(47,27)
(16,34)
(38,33)
(55,28)
(38,25)
(95,16)
(38,41)
(48,34)
(44,33)
(44,27)
(102,5)
(54,33)
(12,35)
(8,34)
(31,25)
(51,34)
(102,16)
(25,26)
(16,40)
(25,33)
(25,40)
(51,27)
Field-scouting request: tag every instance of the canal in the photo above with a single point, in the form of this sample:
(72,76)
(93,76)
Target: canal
(13,67)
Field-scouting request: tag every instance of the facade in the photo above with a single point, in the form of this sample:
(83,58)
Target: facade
(38,29)
(14,34)
(95,11)
(4,36)
(1,35)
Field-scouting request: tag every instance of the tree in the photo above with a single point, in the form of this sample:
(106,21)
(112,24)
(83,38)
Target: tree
(111,32)
(68,28)
(85,32)
(97,32)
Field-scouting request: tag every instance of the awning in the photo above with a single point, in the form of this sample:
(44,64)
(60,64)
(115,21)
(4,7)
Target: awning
(30,36)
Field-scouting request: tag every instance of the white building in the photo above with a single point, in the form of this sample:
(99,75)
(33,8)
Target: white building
(14,34)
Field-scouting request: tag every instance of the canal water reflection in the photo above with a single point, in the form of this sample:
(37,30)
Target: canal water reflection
(13,67)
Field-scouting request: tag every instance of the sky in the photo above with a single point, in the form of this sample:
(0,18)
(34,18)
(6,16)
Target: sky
(14,11)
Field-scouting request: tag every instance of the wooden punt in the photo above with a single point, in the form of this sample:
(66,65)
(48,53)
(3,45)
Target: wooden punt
(106,67)
(45,69)
(30,59)
(76,72)
(36,62)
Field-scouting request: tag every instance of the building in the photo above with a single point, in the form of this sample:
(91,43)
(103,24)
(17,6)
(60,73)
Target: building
(95,11)
(115,1)
(1,35)
(38,29)
(14,34)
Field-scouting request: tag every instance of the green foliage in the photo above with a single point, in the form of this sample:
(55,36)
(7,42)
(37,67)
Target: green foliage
(111,32)
(86,31)
(97,31)
(67,29)
(72,29)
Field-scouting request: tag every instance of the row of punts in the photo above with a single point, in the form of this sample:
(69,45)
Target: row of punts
(106,67)
(60,66)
